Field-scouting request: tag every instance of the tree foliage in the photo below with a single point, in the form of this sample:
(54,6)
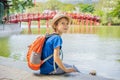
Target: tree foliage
(86,8)
(20,5)
(103,8)
(67,8)
(53,4)
(57,5)
(116,11)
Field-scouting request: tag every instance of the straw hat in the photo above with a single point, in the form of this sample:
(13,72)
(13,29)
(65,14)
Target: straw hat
(57,17)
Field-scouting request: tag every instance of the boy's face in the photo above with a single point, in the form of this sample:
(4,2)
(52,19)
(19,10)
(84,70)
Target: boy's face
(62,26)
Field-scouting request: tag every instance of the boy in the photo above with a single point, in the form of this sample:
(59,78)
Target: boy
(53,46)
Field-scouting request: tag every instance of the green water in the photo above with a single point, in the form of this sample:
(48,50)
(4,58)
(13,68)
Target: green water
(102,31)
(109,31)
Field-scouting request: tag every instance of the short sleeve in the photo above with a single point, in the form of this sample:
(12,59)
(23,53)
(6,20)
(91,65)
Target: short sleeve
(57,42)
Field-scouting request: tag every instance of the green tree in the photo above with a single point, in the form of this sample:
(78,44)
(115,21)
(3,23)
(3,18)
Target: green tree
(38,8)
(20,5)
(53,4)
(89,8)
(102,8)
(105,5)
(98,13)
(116,11)
(67,8)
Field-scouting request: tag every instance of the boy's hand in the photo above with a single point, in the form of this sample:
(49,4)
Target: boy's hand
(68,70)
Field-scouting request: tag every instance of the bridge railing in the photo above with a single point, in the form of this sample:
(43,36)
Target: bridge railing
(45,16)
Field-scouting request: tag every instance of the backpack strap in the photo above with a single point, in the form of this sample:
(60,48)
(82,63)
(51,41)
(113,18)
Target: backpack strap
(47,58)
(49,35)
(61,53)
(54,66)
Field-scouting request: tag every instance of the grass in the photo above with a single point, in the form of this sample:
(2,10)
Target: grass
(4,47)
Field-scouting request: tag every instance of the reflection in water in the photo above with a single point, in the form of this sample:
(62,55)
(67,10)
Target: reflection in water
(87,52)
(90,52)
(4,47)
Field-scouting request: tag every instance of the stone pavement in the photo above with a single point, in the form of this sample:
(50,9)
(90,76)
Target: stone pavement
(11,69)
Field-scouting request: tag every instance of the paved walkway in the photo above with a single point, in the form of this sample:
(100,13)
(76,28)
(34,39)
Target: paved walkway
(11,69)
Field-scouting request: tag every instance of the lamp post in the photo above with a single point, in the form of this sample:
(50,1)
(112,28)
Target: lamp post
(1,14)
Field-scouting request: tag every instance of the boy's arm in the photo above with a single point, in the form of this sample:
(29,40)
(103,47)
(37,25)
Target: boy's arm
(59,62)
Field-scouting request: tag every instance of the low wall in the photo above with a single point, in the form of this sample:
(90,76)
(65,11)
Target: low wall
(9,29)
(11,69)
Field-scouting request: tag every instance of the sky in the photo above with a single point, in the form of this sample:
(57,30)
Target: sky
(71,1)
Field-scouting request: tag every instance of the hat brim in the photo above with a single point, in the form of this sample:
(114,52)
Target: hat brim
(59,17)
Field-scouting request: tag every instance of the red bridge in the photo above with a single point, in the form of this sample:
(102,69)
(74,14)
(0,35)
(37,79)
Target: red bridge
(78,19)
